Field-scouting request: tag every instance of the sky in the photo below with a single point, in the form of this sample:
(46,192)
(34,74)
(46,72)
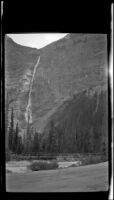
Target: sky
(36,40)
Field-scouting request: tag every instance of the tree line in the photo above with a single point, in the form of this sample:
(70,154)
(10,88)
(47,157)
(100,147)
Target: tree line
(18,144)
(57,140)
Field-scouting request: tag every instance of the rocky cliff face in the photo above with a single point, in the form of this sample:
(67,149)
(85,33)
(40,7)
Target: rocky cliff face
(67,67)
(19,65)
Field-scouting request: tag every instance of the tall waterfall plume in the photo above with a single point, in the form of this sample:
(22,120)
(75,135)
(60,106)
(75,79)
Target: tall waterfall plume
(28,113)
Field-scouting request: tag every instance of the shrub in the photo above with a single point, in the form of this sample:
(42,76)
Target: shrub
(8,171)
(35,166)
(73,165)
(93,159)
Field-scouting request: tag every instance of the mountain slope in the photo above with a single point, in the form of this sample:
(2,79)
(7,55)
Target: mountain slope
(67,66)
(81,124)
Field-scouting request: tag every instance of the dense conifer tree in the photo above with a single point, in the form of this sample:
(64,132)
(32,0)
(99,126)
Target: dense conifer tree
(11,131)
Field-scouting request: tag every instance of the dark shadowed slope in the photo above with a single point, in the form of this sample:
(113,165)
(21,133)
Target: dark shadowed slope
(81,123)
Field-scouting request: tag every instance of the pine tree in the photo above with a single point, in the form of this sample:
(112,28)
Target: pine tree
(8,101)
(29,137)
(60,145)
(24,143)
(91,141)
(6,124)
(19,145)
(15,138)
(36,145)
(104,148)
(43,146)
(11,130)
(52,138)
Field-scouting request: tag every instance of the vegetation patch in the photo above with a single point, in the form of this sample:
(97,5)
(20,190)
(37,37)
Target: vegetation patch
(8,171)
(36,166)
(88,160)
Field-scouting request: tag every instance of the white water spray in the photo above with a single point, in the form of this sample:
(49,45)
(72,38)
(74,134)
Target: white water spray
(28,113)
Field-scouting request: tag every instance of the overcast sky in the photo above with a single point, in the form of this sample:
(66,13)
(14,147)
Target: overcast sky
(36,40)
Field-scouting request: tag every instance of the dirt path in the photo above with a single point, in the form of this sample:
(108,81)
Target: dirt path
(74,179)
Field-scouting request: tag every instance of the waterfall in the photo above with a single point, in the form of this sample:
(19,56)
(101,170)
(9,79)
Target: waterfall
(28,113)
